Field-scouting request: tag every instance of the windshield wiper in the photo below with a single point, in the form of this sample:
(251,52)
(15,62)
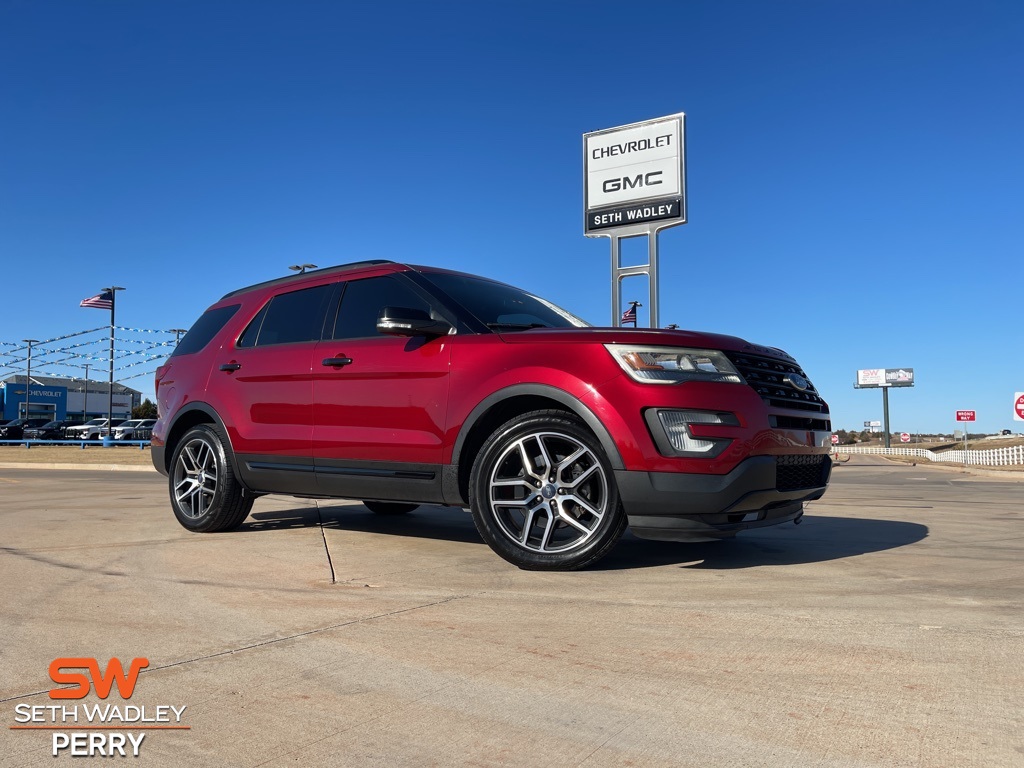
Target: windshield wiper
(516,326)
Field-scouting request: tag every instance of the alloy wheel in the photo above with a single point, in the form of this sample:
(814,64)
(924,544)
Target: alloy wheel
(548,492)
(195,478)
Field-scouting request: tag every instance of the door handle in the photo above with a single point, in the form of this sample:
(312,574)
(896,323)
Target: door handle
(229,367)
(337,362)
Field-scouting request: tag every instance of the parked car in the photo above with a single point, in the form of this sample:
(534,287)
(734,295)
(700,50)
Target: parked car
(15,430)
(51,430)
(401,385)
(91,430)
(134,429)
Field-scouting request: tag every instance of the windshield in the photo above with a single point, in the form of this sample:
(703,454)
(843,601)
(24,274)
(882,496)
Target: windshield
(503,307)
(94,423)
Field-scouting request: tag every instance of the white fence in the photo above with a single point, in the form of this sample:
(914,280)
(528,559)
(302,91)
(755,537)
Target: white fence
(993,458)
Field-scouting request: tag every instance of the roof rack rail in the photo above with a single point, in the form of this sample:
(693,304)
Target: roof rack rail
(324,271)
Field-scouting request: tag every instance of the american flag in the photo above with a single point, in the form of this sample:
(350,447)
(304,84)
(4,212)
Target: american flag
(629,316)
(103,300)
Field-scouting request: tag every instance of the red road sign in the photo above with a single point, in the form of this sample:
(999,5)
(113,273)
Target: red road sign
(965,415)
(904,437)
(1018,407)
(835,438)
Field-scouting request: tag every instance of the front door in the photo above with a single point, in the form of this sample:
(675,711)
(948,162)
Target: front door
(379,402)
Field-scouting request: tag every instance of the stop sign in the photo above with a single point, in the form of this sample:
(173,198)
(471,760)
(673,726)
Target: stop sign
(1018,407)
(904,437)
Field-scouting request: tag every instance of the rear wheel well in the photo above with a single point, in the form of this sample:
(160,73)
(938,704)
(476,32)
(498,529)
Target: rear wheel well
(187,420)
(494,418)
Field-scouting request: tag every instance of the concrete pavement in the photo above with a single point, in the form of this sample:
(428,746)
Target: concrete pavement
(887,630)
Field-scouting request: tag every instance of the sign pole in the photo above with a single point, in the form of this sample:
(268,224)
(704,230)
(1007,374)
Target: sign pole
(885,413)
(652,287)
(616,283)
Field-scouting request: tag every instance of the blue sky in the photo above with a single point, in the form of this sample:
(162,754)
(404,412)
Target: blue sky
(854,168)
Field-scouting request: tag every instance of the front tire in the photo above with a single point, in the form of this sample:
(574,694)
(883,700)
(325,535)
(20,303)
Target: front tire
(543,495)
(205,494)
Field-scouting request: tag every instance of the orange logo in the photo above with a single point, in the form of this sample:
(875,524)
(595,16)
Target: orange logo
(100,680)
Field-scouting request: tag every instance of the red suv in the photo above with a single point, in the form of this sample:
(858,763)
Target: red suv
(401,385)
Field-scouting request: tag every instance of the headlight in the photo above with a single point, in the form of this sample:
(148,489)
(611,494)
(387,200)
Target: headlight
(672,365)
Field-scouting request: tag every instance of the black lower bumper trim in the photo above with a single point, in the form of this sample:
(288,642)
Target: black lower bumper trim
(676,506)
(157,453)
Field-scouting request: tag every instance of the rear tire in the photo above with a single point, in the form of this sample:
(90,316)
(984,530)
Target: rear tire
(206,496)
(543,495)
(389,507)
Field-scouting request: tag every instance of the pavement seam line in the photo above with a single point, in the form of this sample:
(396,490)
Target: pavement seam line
(323,535)
(265,643)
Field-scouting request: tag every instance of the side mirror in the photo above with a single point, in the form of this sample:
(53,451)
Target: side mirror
(402,321)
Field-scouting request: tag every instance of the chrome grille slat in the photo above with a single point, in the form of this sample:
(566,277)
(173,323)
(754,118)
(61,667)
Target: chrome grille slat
(766,376)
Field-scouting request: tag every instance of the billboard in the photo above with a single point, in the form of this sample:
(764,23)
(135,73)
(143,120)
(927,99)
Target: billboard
(635,174)
(885,377)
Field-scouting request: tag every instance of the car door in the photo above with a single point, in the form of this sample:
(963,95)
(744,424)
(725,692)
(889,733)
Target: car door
(263,385)
(379,402)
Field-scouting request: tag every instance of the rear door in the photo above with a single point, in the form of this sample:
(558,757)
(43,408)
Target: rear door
(380,402)
(264,388)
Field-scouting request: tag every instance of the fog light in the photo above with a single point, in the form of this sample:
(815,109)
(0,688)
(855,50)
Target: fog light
(677,429)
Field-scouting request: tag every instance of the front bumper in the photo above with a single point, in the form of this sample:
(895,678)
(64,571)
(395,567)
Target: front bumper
(694,507)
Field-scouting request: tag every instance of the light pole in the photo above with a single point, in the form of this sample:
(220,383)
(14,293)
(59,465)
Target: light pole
(177,334)
(300,268)
(85,393)
(28,373)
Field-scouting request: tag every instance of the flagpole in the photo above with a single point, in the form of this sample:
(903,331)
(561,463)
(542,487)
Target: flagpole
(110,383)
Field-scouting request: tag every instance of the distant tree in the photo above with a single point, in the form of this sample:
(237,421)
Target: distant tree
(147,410)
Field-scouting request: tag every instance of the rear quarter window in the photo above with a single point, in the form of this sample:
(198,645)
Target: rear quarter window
(289,318)
(204,329)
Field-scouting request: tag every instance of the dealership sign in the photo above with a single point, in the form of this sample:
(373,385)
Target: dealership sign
(635,174)
(885,377)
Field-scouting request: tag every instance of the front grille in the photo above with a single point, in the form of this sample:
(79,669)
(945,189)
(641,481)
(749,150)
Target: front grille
(794,473)
(767,376)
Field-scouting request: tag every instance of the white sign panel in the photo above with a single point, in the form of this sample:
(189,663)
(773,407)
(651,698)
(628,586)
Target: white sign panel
(885,377)
(635,174)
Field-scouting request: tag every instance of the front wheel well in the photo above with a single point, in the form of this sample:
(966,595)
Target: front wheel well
(493,418)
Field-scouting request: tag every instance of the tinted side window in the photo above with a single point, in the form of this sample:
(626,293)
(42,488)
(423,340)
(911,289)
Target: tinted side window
(204,329)
(293,317)
(363,300)
(248,337)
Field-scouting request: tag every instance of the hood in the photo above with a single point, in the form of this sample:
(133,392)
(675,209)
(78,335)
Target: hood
(654,337)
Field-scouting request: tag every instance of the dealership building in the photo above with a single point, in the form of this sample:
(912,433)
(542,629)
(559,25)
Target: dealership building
(54,398)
